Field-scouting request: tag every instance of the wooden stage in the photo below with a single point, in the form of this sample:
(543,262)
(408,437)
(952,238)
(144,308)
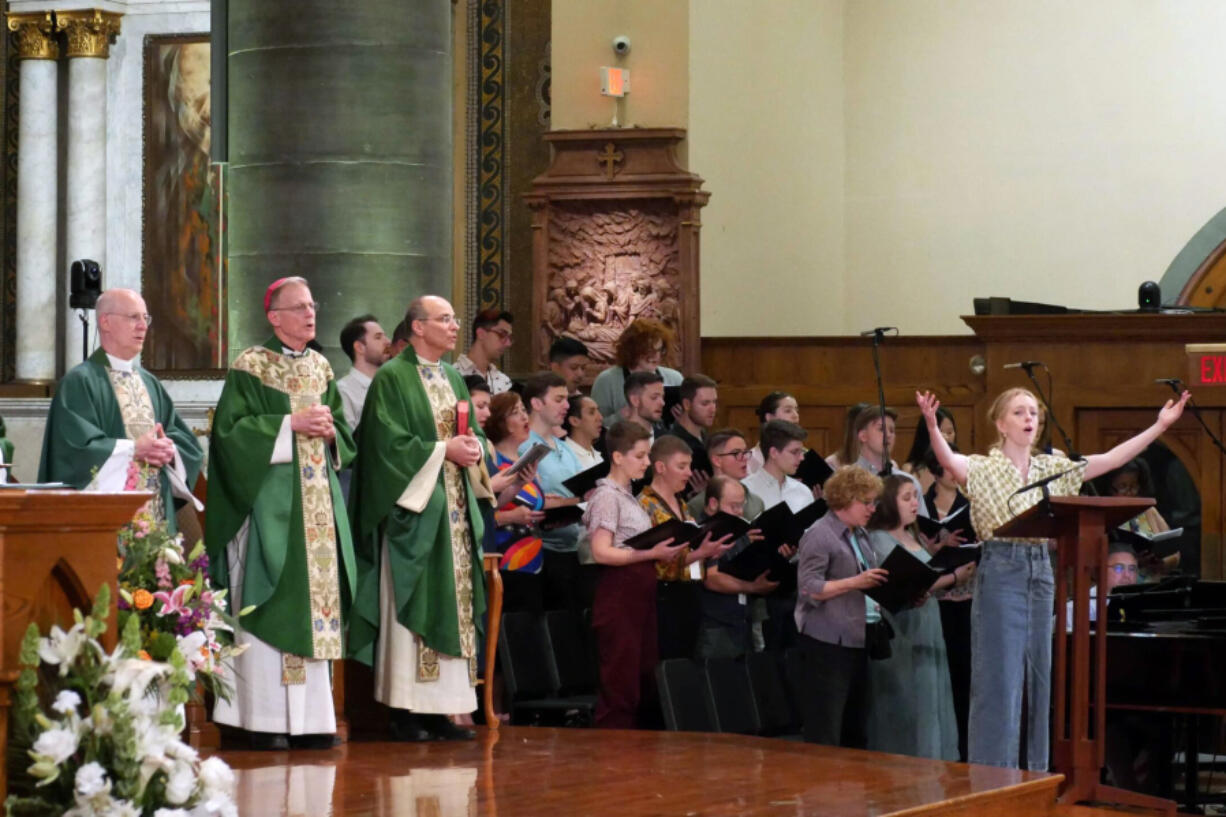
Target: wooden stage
(542,772)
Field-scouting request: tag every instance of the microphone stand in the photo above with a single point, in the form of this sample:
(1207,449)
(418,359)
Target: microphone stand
(84,316)
(878,335)
(1051,413)
(1176,387)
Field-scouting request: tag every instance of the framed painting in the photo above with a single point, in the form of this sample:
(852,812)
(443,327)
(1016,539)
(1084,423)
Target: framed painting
(183,259)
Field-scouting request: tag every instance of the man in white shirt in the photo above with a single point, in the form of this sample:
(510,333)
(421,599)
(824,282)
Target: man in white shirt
(783,447)
(367,345)
(491,339)
(876,442)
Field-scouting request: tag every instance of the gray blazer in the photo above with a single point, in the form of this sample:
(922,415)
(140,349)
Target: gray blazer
(826,553)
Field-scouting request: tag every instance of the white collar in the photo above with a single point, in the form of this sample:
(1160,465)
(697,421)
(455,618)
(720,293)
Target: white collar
(291,353)
(119,365)
(360,376)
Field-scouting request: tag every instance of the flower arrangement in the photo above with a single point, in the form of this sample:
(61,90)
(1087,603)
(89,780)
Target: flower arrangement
(108,743)
(167,591)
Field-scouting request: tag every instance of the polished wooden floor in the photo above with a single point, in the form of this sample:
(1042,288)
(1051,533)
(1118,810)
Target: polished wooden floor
(539,772)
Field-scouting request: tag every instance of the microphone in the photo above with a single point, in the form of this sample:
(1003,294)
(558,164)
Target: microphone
(1024,364)
(1173,382)
(1044,482)
(880,330)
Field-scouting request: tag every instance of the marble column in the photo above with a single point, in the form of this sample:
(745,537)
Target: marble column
(88,35)
(36,193)
(340,146)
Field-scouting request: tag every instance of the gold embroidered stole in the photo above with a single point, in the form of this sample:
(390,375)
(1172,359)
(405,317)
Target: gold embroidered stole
(443,402)
(139,419)
(305,379)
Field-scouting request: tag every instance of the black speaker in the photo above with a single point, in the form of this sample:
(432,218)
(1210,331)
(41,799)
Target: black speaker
(1149,297)
(84,284)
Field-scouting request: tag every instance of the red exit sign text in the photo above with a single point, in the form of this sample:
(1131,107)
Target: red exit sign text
(1206,364)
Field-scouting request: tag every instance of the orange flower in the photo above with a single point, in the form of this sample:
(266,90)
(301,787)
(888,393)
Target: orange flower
(142,599)
(145,656)
(186,581)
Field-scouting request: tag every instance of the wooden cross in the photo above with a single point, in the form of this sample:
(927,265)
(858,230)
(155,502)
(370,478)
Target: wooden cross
(611,157)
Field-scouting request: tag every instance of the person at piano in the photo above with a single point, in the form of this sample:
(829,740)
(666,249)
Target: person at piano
(1122,570)
(1011,620)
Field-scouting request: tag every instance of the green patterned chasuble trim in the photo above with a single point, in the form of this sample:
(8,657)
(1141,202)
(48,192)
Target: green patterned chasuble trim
(303,380)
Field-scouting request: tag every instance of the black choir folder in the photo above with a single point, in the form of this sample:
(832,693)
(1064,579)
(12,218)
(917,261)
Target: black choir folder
(690,533)
(813,470)
(957,522)
(779,526)
(562,516)
(908,581)
(950,558)
(1161,544)
(585,481)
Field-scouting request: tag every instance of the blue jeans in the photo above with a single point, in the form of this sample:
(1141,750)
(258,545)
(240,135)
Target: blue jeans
(1011,641)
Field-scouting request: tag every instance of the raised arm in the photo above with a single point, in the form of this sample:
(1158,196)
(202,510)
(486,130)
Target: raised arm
(1099,464)
(955,464)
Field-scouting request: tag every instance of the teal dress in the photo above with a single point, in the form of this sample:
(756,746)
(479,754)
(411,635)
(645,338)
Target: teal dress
(910,700)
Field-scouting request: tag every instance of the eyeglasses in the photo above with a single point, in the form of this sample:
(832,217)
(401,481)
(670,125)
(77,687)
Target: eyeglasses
(739,453)
(505,334)
(1118,569)
(872,503)
(135,317)
(301,309)
(446,320)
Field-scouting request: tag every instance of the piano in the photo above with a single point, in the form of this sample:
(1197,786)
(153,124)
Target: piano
(1166,654)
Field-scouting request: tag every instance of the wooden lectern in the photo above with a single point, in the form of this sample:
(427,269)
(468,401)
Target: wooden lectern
(56,549)
(1079,525)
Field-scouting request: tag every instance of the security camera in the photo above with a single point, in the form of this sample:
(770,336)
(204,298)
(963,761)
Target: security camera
(621,45)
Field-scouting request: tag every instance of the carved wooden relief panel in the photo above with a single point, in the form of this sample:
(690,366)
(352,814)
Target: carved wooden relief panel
(615,221)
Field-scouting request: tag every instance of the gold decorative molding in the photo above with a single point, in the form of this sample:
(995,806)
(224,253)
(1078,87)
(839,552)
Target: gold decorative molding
(34,35)
(88,32)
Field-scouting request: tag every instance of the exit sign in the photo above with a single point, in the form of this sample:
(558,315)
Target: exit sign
(1206,364)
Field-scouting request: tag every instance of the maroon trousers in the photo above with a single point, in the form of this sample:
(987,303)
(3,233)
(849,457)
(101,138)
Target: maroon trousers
(624,620)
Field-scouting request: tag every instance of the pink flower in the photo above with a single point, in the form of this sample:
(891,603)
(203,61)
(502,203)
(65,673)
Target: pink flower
(172,602)
(162,570)
(132,476)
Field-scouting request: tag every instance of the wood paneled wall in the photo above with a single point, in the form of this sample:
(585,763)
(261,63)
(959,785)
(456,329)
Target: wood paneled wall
(1103,370)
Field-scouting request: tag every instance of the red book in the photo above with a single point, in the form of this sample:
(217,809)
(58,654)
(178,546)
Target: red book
(461,418)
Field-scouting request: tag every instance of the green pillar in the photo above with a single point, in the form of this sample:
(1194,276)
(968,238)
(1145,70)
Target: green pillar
(339,125)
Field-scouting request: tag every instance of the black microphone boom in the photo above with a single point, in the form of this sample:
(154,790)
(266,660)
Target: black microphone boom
(1024,364)
(879,331)
(1173,382)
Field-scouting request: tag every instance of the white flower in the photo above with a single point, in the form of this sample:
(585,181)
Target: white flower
(219,806)
(62,647)
(189,646)
(123,808)
(100,721)
(173,555)
(216,777)
(180,784)
(132,676)
(56,745)
(91,780)
(171,812)
(66,702)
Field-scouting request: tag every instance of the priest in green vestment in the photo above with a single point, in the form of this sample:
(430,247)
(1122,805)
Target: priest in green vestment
(113,427)
(275,527)
(417,482)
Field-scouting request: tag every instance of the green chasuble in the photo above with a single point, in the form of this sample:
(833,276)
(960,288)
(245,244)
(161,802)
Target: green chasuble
(86,420)
(399,435)
(299,570)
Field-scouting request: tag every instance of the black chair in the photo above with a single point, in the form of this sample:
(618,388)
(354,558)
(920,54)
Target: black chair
(732,697)
(685,697)
(776,712)
(572,653)
(530,676)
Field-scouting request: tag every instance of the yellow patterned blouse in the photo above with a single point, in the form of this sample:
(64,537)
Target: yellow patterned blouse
(659,511)
(992,479)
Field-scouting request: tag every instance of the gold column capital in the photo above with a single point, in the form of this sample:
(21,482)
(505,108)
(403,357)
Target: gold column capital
(34,35)
(88,32)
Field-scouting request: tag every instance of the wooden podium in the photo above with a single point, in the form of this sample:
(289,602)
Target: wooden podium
(1079,525)
(56,549)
